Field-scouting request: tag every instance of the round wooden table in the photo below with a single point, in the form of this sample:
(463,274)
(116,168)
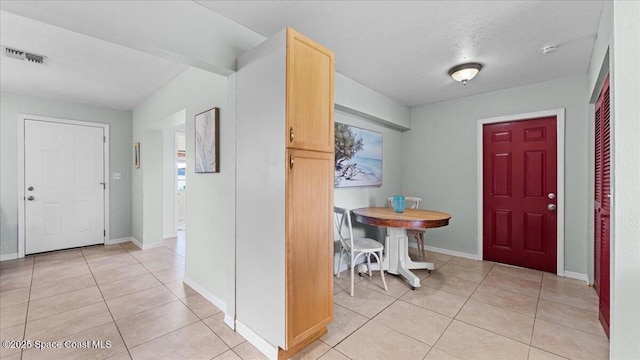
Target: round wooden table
(397,260)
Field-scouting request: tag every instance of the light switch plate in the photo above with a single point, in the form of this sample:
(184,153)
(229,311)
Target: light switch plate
(117,176)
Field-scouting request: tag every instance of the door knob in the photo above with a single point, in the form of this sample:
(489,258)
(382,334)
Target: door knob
(551,196)
(551,207)
(30,198)
(30,188)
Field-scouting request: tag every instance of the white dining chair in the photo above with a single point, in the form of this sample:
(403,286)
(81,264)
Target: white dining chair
(412,202)
(356,247)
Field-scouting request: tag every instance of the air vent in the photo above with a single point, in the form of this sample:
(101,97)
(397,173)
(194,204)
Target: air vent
(35,58)
(12,53)
(23,55)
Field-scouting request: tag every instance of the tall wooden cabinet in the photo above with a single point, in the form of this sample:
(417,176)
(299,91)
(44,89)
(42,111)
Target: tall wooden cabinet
(284,187)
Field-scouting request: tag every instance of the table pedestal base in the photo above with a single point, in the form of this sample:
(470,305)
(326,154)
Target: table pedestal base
(396,260)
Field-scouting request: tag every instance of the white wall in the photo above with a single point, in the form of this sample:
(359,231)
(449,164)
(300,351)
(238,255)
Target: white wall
(599,64)
(617,52)
(625,254)
(354,98)
(119,121)
(439,158)
(210,199)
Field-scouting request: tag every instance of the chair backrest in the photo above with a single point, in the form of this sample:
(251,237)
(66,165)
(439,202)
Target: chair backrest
(411,202)
(343,217)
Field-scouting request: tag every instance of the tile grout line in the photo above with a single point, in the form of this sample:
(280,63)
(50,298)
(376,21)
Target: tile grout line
(370,319)
(498,307)
(155,307)
(535,316)
(107,306)
(26,315)
(454,317)
(224,342)
(365,323)
(178,299)
(165,286)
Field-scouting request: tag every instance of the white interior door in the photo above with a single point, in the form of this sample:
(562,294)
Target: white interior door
(64,191)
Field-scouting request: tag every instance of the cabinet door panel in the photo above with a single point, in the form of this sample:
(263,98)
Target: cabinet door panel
(309,244)
(310,76)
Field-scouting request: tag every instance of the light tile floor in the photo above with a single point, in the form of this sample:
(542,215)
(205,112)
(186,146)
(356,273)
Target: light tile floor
(136,299)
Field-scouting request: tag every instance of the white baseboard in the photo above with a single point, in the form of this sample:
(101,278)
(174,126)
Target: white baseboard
(270,351)
(145,246)
(230,321)
(207,295)
(136,242)
(6,257)
(448,252)
(169,236)
(228,318)
(577,276)
(117,241)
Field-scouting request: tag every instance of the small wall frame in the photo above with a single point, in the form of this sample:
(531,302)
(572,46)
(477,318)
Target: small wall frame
(207,149)
(136,155)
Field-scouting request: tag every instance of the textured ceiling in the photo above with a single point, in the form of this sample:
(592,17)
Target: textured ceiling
(79,68)
(404,49)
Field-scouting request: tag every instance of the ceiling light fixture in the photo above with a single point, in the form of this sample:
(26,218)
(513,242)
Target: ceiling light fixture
(465,72)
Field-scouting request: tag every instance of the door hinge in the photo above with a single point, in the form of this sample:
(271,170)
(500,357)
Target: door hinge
(104,139)
(104,233)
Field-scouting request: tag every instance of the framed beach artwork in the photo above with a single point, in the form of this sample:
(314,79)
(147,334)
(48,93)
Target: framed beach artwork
(358,157)
(136,155)
(207,151)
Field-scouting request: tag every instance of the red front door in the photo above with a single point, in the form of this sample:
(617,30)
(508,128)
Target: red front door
(519,193)
(602,202)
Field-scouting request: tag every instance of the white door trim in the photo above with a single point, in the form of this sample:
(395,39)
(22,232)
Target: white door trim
(21,190)
(559,114)
(175,181)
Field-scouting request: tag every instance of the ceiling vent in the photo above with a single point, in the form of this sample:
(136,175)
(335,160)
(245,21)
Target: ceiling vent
(23,55)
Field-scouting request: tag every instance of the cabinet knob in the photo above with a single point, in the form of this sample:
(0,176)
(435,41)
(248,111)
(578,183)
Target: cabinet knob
(291,134)
(291,162)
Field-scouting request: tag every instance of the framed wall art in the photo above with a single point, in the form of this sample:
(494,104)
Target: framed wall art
(207,150)
(136,155)
(358,157)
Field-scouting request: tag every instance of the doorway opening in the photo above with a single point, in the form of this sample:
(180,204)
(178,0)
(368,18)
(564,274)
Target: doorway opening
(180,189)
(174,185)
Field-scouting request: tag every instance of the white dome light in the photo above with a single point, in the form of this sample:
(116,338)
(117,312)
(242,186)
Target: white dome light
(465,72)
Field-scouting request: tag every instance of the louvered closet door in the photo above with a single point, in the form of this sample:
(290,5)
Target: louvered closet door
(602,203)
